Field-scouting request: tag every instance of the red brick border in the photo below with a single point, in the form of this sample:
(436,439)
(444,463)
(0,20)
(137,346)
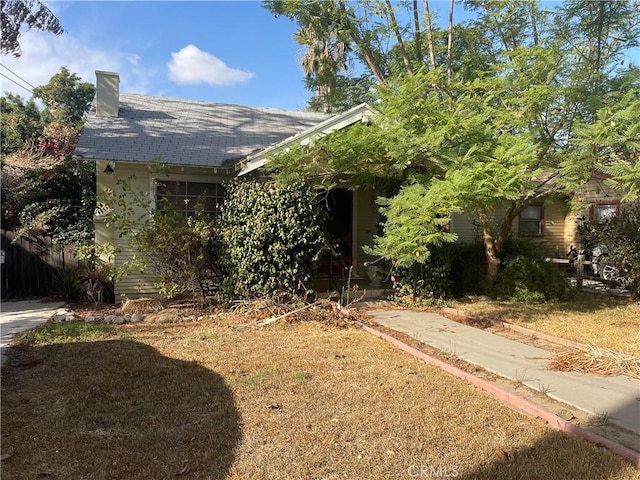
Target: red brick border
(513,401)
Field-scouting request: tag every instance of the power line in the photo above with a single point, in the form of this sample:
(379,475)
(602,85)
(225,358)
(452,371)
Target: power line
(12,80)
(7,68)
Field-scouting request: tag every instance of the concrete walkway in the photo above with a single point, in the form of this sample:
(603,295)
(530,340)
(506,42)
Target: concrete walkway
(20,316)
(617,397)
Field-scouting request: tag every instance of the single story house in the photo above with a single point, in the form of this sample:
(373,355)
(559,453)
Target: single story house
(203,145)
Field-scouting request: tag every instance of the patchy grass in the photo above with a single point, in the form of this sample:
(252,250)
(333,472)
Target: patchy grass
(607,322)
(76,331)
(311,400)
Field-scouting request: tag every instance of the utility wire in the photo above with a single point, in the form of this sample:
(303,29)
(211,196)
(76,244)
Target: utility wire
(7,68)
(12,80)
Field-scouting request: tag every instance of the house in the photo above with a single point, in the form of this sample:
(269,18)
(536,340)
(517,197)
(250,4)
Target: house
(203,145)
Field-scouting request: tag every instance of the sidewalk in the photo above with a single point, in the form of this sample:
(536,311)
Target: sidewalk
(617,397)
(22,315)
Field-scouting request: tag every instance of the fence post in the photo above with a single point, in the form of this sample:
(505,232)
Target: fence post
(579,270)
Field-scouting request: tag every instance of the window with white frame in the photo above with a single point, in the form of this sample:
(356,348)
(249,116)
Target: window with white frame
(190,197)
(531,221)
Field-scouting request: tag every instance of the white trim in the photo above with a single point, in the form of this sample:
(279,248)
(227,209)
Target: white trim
(360,113)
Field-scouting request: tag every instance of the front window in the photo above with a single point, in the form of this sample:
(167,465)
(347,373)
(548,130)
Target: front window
(531,221)
(190,197)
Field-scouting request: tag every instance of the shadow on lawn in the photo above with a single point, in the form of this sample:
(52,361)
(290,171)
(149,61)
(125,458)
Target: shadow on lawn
(114,409)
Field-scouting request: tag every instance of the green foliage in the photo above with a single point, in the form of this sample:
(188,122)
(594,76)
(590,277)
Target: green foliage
(100,274)
(66,98)
(184,253)
(510,127)
(468,269)
(60,201)
(428,281)
(272,236)
(415,222)
(67,284)
(531,279)
(20,123)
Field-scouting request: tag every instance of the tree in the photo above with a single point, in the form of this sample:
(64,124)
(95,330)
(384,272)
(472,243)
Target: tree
(33,14)
(490,142)
(66,97)
(20,122)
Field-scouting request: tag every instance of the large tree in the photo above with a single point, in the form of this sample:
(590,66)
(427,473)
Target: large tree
(496,140)
(19,13)
(66,97)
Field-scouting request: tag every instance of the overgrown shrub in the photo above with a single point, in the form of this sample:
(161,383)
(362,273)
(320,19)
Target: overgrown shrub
(530,278)
(430,280)
(272,237)
(184,253)
(468,269)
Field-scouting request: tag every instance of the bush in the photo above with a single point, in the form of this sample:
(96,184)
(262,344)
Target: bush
(272,236)
(184,253)
(67,283)
(530,278)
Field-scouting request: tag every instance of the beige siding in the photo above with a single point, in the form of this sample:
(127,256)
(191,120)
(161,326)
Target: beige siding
(462,224)
(140,178)
(554,236)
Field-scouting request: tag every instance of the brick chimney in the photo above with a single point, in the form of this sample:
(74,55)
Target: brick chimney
(107,93)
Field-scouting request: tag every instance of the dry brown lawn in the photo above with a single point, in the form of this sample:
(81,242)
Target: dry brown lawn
(606,322)
(290,401)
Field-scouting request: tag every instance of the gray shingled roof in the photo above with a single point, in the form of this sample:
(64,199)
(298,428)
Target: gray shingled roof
(186,132)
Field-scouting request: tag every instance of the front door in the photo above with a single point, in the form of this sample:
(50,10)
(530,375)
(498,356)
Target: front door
(339,206)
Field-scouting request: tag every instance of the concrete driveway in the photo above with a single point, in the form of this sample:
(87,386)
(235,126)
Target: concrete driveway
(20,316)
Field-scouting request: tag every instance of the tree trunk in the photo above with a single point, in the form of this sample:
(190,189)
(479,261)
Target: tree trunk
(364,48)
(396,30)
(417,38)
(491,255)
(427,14)
(450,42)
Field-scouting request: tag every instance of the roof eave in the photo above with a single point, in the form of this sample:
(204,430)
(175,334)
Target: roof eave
(359,113)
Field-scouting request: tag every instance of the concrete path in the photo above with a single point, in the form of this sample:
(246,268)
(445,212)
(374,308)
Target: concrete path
(617,397)
(22,315)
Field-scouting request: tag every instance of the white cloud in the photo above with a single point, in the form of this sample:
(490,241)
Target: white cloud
(191,66)
(44,54)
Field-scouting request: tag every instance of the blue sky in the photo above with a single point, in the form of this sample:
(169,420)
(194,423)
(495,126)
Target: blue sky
(219,51)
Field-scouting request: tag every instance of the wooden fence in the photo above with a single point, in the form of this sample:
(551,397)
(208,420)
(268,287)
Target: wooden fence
(29,265)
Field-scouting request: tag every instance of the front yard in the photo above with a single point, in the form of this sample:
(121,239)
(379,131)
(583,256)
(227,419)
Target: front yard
(292,400)
(607,322)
